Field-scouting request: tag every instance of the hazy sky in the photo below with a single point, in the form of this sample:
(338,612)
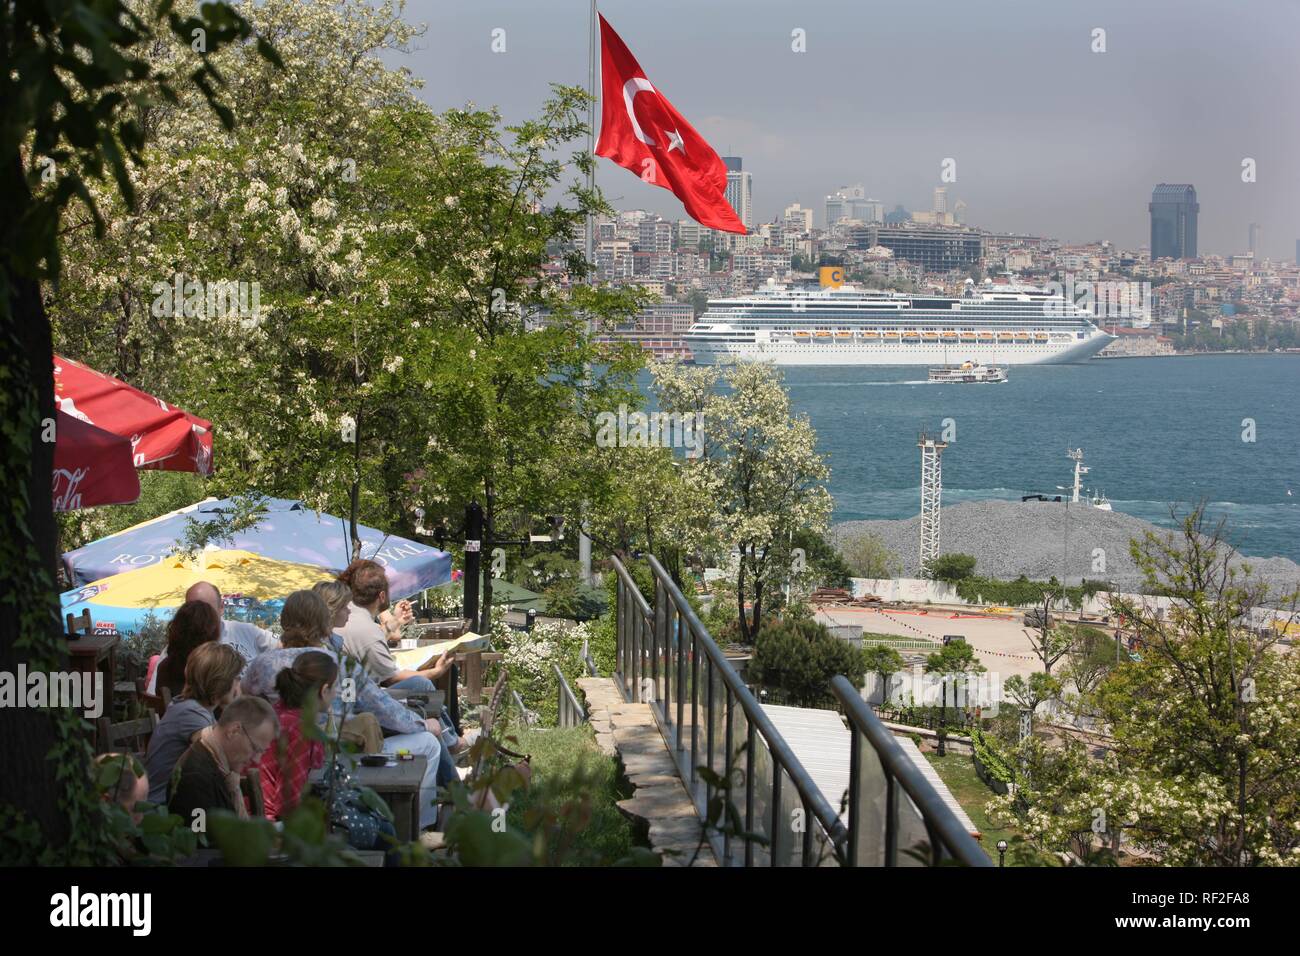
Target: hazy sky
(1050,138)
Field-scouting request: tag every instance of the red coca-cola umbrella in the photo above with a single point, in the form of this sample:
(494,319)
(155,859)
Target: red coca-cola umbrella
(91,466)
(161,436)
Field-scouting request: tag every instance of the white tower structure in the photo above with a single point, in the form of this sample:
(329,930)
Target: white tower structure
(1080,469)
(931,490)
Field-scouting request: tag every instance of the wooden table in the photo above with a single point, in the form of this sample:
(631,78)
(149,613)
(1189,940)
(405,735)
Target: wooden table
(399,786)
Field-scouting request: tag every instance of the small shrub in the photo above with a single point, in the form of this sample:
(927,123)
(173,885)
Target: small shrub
(799,658)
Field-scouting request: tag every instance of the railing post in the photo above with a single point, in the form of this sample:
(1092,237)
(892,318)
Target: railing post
(891,820)
(853,844)
(709,706)
(695,706)
(809,857)
(679,644)
(661,610)
(750,742)
(726,835)
(776,812)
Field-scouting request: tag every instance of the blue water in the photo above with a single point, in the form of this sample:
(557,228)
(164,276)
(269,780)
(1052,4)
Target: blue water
(1154,432)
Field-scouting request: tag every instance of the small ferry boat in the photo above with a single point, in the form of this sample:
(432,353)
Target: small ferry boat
(968,372)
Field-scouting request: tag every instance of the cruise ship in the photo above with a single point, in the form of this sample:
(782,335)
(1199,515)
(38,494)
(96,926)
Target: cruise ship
(992,324)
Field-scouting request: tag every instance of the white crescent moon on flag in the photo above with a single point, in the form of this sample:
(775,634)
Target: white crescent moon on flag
(631,88)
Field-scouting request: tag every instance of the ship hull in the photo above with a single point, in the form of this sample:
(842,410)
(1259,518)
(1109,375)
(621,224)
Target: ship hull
(901,353)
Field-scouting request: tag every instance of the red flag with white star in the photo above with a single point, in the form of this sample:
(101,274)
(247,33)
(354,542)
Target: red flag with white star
(642,132)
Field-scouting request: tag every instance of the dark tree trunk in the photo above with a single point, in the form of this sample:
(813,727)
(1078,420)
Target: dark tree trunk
(740,600)
(489,534)
(28,782)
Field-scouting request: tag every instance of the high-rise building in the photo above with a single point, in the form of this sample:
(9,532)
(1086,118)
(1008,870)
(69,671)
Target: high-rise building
(936,249)
(940,203)
(739,188)
(1173,211)
(655,235)
(1255,244)
(851,202)
(688,233)
(1297,252)
(797,218)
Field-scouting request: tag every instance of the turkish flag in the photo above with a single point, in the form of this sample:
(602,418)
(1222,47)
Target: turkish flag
(641,131)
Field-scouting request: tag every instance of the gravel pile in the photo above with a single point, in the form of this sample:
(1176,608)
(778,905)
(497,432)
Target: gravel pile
(1010,538)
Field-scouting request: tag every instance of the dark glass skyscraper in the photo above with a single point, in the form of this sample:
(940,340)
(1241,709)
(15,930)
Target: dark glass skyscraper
(1173,211)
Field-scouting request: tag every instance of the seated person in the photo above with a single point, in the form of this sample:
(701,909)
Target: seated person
(366,634)
(305,624)
(367,640)
(194,623)
(307,685)
(211,682)
(130,785)
(207,775)
(248,639)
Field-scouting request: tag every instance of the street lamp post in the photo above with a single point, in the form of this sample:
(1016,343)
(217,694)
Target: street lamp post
(1002,852)
(943,712)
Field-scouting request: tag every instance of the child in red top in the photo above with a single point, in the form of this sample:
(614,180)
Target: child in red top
(284,767)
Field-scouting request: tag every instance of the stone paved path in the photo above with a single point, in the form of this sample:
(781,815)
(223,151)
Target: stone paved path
(659,801)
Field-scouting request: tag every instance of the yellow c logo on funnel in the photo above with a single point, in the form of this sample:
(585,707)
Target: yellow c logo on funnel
(832,276)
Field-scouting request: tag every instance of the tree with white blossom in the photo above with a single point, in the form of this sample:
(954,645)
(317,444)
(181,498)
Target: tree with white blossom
(1203,761)
(759,466)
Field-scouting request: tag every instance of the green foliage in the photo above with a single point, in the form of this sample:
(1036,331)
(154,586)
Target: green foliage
(602,643)
(219,530)
(161,492)
(530,659)
(572,599)
(1019,592)
(758,472)
(882,660)
(825,566)
(76,84)
(990,755)
(955,658)
(799,658)
(574,794)
(866,556)
(1029,692)
(952,567)
(138,646)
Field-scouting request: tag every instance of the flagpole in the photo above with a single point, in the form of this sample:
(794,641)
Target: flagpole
(584,543)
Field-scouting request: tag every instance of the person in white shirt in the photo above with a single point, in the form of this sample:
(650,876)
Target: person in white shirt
(247,639)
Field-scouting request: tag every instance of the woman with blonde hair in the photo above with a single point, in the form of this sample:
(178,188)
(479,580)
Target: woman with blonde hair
(305,622)
(211,682)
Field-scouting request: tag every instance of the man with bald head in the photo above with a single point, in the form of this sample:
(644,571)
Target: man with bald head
(247,639)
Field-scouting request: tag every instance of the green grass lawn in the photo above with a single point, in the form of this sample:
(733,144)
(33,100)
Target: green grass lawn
(957,771)
(569,771)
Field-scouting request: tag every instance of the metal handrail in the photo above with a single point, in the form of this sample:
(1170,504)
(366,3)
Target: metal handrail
(643,633)
(592,669)
(525,715)
(569,712)
(947,835)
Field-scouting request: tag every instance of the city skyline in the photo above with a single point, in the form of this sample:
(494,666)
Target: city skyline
(1050,138)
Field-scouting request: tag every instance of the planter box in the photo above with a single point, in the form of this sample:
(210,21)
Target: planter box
(997,786)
